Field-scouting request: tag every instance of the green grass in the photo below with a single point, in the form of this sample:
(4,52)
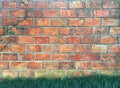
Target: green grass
(98,81)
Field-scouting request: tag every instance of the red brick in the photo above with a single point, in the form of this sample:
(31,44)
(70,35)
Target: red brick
(109,57)
(17,48)
(99,48)
(10,56)
(18,65)
(34,31)
(62,40)
(27,57)
(83,31)
(59,22)
(115,30)
(82,65)
(3,47)
(17,13)
(26,39)
(10,39)
(7,4)
(27,22)
(50,65)
(85,13)
(91,39)
(34,48)
(65,48)
(34,65)
(41,4)
(110,22)
(76,22)
(3,13)
(42,56)
(115,48)
(38,13)
(100,31)
(111,4)
(75,40)
(43,22)
(8,21)
(4,65)
(91,57)
(66,65)
(50,31)
(94,4)
(59,56)
(76,4)
(114,65)
(98,65)
(108,39)
(101,13)
(50,13)
(1,31)
(82,48)
(42,40)
(54,39)
(76,57)
(92,22)
(59,4)
(66,31)
(67,13)
(50,48)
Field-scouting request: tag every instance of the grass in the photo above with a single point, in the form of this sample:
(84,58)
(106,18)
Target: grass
(98,81)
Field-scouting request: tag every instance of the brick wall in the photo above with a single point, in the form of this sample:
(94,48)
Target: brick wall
(61,37)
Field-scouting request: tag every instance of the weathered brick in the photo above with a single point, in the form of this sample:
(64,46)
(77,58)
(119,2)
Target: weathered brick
(42,56)
(114,65)
(67,13)
(50,65)
(91,57)
(9,73)
(83,31)
(8,4)
(50,13)
(42,4)
(59,56)
(43,22)
(92,22)
(76,57)
(34,65)
(18,65)
(66,48)
(82,65)
(8,21)
(59,22)
(27,57)
(91,39)
(27,22)
(3,13)
(109,57)
(73,39)
(34,48)
(115,48)
(76,22)
(48,48)
(34,31)
(93,4)
(99,48)
(10,56)
(17,48)
(74,73)
(76,4)
(30,5)
(42,40)
(4,47)
(111,4)
(34,13)
(66,31)
(85,13)
(17,13)
(98,65)
(101,13)
(108,39)
(4,65)
(26,73)
(118,40)
(50,31)
(115,30)
(66,65)
(82,48)
(59,4)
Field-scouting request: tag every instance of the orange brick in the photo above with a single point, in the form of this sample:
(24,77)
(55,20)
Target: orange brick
(34,31)
(54,39)
(59,56)
(11,4)
(27,57)
(42,56)
(83,31)
(3,47)
(110,22)
(99,48)
(1,31)
(17,48)
(66,65)
(76,57)
(76,4)
(4,65)
(50,65)
(43,22)
(67,13)
(59,22)
(65,48)
(62,40)
(115,48)
(42,4)
(66,31)
(26,39)
(19,65)
(101,13)
(50,13)
(42,40)
(114,65)
(108,39)
(50,31)
(91,57)
(34,48)
(50,48)
(82,48)
(115,30)
(27,22)
(92,22)
(98,65)
(82,65)
(17,13)
(3,13)
(10,56)
(76,40)
(34,65)
(76,22)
